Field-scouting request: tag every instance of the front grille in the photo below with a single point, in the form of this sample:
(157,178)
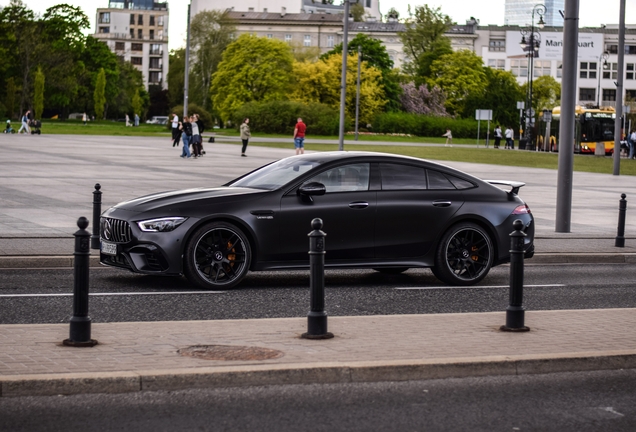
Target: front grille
(115,230)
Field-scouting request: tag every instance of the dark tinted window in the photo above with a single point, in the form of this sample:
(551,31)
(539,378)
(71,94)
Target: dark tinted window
(459,183)
(347,178)
(437,180)
(402,177)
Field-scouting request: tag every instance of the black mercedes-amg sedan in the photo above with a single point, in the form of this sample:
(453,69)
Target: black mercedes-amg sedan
(380,211)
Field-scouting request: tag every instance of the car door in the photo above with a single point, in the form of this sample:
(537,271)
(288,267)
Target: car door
(413,206)
(347,210)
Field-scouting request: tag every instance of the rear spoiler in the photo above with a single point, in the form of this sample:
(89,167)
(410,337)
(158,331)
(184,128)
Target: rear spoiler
(514,185)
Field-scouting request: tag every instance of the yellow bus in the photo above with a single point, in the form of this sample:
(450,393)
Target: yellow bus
(592,126)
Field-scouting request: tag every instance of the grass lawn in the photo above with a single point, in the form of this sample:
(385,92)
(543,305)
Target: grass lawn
(585,163)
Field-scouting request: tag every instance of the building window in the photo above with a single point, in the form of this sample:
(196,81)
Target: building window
(611,72)
(307,41)
(104,29)
(497,64)
(136,61)
(559,69)
(152,34)
(368,5)
(630,95)
(497,45)
(587,94)
(152,20)
(612,49)
(250,9)
(155,49)
(609,95)
(132,18)
(154,77)
(104,17)
(265,10)
(140,34)
(630,49)
(519,68)
(120,46)
(542,68)
(587,70)
(288,38)
(136,47)
(140,19)
(330,41)
(160,20)
(155,63)
(269,35)
(132,33)
(629,74)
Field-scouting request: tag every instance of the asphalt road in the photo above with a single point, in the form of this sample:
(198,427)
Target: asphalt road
(45,296)
(582,401)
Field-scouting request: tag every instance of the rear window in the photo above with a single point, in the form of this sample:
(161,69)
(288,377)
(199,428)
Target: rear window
(402,177)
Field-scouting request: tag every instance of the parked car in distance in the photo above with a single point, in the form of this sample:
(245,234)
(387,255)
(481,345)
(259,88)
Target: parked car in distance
(380,211)
(162,120)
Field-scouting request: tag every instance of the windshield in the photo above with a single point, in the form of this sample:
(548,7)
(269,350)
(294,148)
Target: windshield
(277,174)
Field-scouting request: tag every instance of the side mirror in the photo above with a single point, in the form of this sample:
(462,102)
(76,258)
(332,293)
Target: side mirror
(313,188)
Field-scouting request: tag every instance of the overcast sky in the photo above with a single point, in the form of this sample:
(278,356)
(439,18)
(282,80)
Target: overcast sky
(593,13)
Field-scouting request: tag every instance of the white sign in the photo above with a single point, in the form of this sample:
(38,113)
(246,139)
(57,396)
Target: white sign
(551,46)
(483,114)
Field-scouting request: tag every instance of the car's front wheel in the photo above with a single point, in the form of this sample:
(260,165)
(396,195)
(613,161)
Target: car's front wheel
(217,256)
(464,255)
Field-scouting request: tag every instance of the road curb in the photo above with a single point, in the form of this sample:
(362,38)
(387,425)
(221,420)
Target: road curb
(322,373)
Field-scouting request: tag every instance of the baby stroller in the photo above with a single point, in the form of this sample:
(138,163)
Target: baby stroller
(35,126)
(8,129)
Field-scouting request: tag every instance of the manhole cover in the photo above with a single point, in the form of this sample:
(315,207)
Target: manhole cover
(229,352)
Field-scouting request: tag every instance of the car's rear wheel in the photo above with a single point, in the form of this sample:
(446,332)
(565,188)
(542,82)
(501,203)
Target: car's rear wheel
(391,270)
(464,255)
(217,256)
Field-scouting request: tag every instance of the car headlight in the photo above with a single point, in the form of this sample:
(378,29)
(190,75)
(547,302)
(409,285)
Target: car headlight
(161,225)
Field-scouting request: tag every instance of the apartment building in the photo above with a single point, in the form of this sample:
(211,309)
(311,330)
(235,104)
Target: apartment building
(137,31)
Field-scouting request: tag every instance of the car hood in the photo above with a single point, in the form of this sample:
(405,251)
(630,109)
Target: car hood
(180,197)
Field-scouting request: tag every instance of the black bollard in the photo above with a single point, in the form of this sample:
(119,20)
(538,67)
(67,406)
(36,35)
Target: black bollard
(80,334)
(97,212)
(317,317)
(622,210)
(515,311)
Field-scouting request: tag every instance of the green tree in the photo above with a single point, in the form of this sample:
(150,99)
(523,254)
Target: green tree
(38,95)
(99,97)
(546,93)
(460,75)
(500,95)
(137,104)
(375,54)
(252,69)
(176,71)
(424,41)
(210,34)
(357,12)
(10,97)
(95,57)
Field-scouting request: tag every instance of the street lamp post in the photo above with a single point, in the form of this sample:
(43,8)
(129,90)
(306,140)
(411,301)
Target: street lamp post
(530,42)
(602,57)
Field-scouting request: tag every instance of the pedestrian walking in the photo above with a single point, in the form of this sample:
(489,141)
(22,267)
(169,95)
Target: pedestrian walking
(136,120)
(176,134)
(84,118)
(497,136)
(449,138)
(299,136)
(196,137)
(245,135)
(186,133)
(201,129)
(632,144)
(25,123)
(127,120)
(509,138)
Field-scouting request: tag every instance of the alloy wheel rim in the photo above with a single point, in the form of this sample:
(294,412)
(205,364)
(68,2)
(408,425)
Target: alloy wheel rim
(220,256)
(468,254)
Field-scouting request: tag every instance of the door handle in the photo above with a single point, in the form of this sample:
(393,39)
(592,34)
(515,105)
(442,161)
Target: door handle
(358,205)
(441,203)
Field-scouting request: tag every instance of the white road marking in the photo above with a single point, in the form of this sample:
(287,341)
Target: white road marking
(114,294)
(477,287)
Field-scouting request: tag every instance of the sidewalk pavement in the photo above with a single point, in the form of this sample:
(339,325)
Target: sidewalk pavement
(40,205)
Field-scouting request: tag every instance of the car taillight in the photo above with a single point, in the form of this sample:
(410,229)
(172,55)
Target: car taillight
(522,209)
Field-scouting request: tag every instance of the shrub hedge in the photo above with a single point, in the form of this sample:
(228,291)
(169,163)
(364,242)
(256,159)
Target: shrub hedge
(420,125)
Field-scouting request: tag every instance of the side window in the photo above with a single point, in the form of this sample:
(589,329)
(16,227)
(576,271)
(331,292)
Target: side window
(437,180)
(346,178)
(459,183)
(402,177)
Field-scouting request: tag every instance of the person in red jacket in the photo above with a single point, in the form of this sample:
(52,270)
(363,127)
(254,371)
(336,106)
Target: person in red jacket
(299,136)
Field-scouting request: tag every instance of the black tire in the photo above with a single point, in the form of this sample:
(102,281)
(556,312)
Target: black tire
(464,255)
(217,256)
(391,270)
